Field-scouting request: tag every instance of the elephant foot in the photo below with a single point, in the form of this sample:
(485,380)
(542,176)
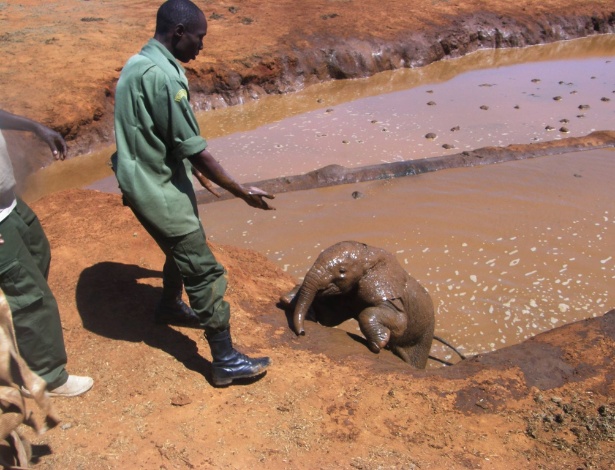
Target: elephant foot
(375,332)
(376,345)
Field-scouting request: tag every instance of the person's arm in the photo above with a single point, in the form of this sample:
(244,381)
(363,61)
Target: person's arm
(205,182)
(49,136)
(174,117)
(205,163)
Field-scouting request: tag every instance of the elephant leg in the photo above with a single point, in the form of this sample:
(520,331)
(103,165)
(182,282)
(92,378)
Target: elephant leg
(372,321)
(417,354)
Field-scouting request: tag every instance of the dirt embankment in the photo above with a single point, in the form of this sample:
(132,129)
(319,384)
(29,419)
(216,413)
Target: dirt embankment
(63,58)
(327,402)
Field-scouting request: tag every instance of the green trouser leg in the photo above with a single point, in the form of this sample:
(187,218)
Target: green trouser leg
(24,265)
(191,262)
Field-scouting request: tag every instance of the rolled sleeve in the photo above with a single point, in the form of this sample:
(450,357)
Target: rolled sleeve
(189,147)
(173,117)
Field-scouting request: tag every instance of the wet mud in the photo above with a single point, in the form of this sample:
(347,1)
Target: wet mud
(508,251)
(547,361)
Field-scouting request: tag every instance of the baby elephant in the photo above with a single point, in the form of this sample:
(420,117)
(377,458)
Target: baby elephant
(354,280)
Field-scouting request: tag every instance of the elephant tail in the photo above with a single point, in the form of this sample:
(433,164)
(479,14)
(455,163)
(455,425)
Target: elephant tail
(441,361)
(446,343)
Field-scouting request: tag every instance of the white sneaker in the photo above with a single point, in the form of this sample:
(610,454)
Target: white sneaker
(74,386)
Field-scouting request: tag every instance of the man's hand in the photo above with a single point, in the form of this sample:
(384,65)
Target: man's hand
(1,239)
(206,164)
(205,182)
(254,197)
(54,139)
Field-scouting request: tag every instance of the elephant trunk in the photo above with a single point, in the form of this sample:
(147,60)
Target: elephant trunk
(305,297)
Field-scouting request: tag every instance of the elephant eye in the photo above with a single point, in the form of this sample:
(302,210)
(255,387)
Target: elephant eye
(342,270)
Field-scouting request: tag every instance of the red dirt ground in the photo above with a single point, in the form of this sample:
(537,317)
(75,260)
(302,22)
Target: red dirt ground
(326,402)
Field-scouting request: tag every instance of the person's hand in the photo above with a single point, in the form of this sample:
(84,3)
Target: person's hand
(254,197)
(205,182)
(1,239)
(205,163)
(54,139)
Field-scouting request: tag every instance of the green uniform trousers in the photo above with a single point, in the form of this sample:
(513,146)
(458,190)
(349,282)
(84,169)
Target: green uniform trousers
(24,265)
(191,264)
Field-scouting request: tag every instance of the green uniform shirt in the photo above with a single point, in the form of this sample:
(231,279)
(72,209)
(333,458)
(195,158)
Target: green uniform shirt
(155,131)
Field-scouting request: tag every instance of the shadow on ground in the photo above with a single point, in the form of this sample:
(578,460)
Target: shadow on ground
(114,302)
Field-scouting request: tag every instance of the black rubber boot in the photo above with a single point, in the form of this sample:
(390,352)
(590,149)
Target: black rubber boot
(172,310)
(229,364)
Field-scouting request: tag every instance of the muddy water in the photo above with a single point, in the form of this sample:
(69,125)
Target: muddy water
(236,123)
(435,115)
(506,251)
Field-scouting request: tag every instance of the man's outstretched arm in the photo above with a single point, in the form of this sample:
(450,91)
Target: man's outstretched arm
(206,164)
(49,136)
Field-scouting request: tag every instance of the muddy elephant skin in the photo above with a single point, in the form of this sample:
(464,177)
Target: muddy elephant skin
(354,280)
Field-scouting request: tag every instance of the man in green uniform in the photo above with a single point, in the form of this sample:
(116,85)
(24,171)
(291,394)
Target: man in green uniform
(24,265)
(158,145)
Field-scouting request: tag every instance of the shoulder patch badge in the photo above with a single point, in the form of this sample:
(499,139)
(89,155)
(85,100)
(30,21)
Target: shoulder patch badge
(181,94)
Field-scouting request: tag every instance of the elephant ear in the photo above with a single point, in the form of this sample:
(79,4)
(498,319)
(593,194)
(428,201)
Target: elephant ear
(385,281)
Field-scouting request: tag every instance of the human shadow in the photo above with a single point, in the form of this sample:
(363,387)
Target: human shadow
(113,303)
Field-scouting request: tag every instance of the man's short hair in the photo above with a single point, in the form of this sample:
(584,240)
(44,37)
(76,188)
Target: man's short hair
(174,12)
